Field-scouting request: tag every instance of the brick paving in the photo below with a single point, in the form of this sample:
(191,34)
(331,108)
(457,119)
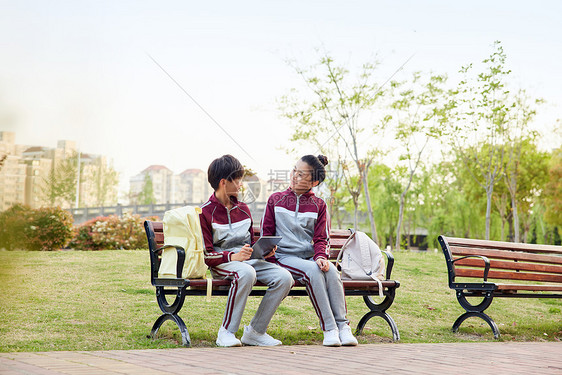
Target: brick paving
(459,358)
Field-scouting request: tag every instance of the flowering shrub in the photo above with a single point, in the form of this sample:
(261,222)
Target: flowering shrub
(111,232)
(22,227)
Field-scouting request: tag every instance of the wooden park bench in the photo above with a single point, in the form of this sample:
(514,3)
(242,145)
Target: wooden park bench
(518,270)
(179,288)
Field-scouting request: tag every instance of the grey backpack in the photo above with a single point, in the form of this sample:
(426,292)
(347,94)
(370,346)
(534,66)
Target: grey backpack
(360,258)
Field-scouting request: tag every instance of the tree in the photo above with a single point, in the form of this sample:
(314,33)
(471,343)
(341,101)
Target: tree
(479,111)
(417,116)
(527,183)
(146,195)
(517,135)
(333,107)
(553,190)
(106,180)
(59,187)
(2,160)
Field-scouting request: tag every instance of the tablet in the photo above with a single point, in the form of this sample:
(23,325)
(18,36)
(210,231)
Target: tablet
(264,245)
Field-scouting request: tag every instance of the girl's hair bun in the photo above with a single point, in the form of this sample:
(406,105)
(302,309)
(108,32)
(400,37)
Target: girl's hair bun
(323,159)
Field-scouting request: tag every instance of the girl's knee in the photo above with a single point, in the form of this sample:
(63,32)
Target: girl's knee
(315,273)
(286,278)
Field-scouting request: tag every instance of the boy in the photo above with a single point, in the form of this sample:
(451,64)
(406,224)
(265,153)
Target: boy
(227,232)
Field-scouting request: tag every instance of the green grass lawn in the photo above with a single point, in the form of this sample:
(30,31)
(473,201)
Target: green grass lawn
(74,300)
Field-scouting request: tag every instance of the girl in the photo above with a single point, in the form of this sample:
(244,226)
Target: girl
(300,218)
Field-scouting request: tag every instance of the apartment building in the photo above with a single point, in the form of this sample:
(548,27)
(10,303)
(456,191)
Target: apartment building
(193,186)
(190,186)
(26,170)
(161,179)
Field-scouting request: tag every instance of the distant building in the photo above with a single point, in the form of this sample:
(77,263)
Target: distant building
(190,186)
(26,169)
(161,178)
(193,186)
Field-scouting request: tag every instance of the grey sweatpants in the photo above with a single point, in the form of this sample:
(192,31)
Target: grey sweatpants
(244,276)
(325,289)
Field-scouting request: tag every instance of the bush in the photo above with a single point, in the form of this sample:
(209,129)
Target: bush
(111,233)
(22,227)
(12,224)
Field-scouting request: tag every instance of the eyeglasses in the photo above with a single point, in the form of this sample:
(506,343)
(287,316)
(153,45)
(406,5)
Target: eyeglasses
(305,175)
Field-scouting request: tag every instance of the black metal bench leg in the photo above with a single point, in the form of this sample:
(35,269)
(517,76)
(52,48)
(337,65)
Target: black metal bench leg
(385,316)
(476,310)
(379,309)
(185,339)
(480,315)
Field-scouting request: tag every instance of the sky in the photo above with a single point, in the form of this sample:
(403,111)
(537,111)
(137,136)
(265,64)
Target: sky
(147,82)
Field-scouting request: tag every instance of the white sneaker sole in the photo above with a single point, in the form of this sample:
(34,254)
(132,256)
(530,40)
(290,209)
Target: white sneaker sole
(334,344)
(228,346)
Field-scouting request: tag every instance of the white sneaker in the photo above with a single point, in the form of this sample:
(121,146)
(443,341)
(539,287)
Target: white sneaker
(331,338)
(227,338)
(346,336)
(251,337)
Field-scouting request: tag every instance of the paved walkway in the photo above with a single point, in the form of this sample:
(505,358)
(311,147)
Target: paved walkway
(462,358)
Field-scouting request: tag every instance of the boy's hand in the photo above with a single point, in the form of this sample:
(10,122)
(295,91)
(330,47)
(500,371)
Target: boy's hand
(244,254)
(271,253)
(324,264)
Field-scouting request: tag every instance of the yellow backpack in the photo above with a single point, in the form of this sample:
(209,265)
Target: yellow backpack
(182,228)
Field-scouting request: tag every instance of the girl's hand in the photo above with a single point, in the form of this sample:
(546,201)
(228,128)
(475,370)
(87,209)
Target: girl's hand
(323,264)
(271,253)
(244,254)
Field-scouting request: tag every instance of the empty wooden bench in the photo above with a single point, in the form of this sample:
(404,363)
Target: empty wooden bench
(518,271)
(177,289)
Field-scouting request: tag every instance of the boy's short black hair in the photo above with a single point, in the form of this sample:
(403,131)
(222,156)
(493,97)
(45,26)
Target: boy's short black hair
(227,167)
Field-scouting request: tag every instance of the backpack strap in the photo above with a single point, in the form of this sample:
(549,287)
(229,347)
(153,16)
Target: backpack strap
(340,254)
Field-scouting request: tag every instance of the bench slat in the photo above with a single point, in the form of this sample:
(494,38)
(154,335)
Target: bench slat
(502,254)
(337,243)
(159,237)
(338,237)
(524,247)
(464,272)
(518,266)
(541,288)
(348,284)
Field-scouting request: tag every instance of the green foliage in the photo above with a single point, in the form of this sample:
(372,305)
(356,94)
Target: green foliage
(105,180)
(111,233)
(59,188)
(417,107)
(553,190)
(492,181)
(479,111)
(48,228)
(13,222)
(146,195)
(2,160)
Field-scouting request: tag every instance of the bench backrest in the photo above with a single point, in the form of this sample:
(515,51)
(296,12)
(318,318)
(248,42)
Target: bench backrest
(155,236)
(508,260)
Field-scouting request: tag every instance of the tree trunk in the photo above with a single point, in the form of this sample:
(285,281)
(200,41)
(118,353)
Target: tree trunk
(503,229)
(355,221)
(400,218)
(489,192)
(370,211)
(515,219)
